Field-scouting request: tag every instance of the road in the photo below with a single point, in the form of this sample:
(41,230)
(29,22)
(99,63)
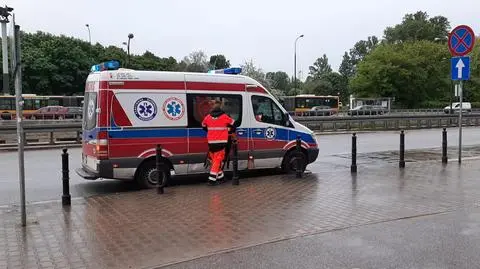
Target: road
(444,240)
(43,167)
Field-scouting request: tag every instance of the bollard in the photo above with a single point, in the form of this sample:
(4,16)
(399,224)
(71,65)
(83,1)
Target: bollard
(401,163)
(235,176)
(158,166)
(299,159)
(66,198)
(353,168)
(444,146)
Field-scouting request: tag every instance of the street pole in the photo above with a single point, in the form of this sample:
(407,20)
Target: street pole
(295,63)
(460,93)
(19,116)
(89,35)
(6,83)
(4,14)
(130,36)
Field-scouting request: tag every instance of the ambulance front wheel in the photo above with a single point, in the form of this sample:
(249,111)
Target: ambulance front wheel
(147,175)
(289,164)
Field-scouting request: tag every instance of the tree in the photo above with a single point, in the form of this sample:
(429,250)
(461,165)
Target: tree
(418,26)
(219,62)
(320,67)
(195,62)
(279,80)
(332,83)
(415,73)
(249,69)
(347,69)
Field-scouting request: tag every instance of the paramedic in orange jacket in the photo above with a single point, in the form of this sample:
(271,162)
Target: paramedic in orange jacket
(217,125)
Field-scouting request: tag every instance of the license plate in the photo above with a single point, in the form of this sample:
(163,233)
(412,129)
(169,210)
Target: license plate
(90,162)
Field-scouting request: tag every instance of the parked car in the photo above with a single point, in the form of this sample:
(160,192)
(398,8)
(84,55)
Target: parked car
(455,108)
(74,112)
(367,110)
(48,113)
(322,111)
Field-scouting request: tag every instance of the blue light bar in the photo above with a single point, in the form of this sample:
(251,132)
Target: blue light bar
(110,65)
(230,71)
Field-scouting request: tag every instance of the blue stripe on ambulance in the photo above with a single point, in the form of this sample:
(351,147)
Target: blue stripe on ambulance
(281,134)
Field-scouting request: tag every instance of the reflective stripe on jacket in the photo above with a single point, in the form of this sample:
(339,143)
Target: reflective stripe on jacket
(217,128)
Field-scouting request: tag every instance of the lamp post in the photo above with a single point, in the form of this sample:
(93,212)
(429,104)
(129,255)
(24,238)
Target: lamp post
(89,35)
(295,62)
(4,14)
(130,36)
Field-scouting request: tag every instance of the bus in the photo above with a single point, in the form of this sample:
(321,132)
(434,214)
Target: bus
(304,105)
(33,102)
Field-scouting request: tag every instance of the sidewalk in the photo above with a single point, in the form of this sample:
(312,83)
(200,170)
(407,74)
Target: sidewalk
(145,230)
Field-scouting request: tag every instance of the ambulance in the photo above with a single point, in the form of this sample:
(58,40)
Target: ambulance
(127,113)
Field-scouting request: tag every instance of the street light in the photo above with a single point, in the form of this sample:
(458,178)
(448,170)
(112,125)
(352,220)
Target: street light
(295,62)
(130,36)
(89,36)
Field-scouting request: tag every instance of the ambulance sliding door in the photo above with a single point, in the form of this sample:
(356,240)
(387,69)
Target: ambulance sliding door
(199,105)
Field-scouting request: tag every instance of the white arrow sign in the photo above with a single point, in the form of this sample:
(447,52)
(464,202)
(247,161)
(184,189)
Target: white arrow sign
(460,65)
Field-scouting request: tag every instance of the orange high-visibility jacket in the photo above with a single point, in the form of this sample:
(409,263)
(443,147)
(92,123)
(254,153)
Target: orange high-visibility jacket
(217,124)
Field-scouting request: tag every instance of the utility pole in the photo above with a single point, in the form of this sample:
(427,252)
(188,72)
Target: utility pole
(130,36)
(89,35)
(295,63)
(4,14)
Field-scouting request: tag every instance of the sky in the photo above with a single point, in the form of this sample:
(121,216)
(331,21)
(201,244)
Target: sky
(263,31)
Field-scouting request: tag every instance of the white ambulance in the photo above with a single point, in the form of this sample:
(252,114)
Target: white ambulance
(128,112)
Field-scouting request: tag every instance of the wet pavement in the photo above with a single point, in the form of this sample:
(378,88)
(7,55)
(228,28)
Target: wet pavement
(439,241)
(379,211)
(43,177)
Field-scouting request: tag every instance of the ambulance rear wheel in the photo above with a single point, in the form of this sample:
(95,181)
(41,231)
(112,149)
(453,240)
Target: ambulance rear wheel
(289,165)
(147,175)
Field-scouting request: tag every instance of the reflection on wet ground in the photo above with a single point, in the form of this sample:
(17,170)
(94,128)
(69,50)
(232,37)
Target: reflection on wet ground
(139,229)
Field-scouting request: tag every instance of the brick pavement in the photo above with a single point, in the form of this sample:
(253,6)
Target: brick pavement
(144,230)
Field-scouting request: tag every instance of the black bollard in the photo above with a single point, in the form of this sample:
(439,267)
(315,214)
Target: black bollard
(158,166)
(235,176)
(66,198)
(299,159)
(353,168)
(401,163)
(444,146)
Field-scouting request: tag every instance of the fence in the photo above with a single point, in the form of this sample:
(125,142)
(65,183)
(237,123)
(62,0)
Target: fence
(321,124)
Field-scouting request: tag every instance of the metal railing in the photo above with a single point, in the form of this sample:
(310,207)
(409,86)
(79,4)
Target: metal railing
(387,122)
(374,112)
(316,123)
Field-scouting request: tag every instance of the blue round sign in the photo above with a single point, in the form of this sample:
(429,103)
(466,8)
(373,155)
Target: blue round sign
(145,109)
(461,40)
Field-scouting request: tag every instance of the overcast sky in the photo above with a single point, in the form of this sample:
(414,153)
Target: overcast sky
(261,30)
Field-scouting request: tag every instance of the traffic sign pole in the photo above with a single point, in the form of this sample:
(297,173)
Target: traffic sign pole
(461,41)
(460,123)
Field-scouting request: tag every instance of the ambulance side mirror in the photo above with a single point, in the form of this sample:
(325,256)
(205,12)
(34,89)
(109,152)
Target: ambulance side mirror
(287,120)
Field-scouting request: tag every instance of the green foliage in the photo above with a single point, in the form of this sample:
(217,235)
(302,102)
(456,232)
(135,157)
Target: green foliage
(320,67)
(279,80)
(331,83)
(412,72)
(219,62)
(418,26)
(59,65)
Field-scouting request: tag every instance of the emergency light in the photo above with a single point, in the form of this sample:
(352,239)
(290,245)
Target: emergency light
(230,71)
(109,65)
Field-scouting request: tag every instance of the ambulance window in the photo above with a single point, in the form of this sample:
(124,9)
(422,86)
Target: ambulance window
(90,111)
(265,110)
(199,105)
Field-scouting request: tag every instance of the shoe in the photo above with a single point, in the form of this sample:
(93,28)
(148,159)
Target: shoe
(212,183)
